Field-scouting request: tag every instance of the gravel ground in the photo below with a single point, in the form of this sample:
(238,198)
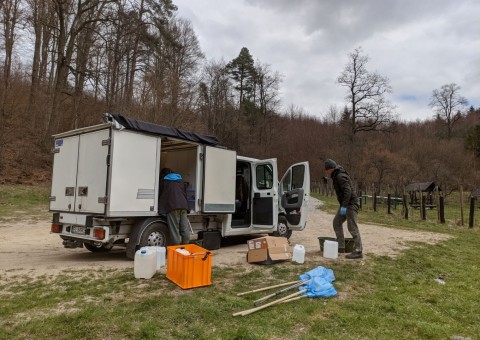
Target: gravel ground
(27,247)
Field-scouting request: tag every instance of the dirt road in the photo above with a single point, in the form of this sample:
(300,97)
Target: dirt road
(27,247)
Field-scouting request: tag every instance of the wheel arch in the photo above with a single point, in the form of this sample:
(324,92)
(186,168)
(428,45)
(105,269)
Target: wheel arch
(137,231)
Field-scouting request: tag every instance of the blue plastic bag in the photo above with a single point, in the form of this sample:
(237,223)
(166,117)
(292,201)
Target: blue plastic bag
(320,271)
(318,287)
(320,284)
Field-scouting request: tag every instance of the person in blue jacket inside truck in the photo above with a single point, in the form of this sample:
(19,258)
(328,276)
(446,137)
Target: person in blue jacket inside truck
(348,210)
(173,202)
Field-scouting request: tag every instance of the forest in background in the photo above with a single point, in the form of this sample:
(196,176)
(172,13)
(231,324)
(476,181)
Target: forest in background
(65,62)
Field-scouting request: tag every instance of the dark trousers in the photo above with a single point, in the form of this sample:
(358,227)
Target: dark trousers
(351,218)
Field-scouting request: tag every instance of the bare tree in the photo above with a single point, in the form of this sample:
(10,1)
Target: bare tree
(11,13)
(36,13)
(448,104)
(267,100)
(332,116)
(74,17)
(369,109)
(216,102)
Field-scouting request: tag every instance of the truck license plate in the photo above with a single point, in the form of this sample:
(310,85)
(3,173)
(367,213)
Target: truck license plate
(78,230)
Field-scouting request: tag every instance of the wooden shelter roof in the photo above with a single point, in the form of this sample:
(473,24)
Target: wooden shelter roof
(424,187)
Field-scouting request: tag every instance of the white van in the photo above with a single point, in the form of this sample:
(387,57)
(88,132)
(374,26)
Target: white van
(105,187)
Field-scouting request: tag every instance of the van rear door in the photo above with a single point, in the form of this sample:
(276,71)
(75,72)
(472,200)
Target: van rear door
(265,194)
(64,178)
(92,169)
(294,192)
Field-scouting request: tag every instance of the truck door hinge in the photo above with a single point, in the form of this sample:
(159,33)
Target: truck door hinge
(55,150)
(106,142)
(103,199)
(201,156)
(52,198)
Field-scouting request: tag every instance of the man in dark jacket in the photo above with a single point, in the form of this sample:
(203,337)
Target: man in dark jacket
(348,210)
(173,202)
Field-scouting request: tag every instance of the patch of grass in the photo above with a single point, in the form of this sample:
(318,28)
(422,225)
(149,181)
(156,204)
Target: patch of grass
(23,200)
(384,298)
(379,298)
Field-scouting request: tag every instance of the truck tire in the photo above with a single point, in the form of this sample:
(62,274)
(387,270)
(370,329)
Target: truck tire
(282,228)
(155,234)
(151,231)
(95,249)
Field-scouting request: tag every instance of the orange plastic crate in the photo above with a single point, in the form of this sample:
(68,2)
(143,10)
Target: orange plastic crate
(189,271)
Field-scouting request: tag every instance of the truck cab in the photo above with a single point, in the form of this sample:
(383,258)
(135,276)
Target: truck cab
(105,187)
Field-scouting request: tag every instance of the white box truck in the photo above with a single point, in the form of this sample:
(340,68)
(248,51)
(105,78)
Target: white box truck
(105,187)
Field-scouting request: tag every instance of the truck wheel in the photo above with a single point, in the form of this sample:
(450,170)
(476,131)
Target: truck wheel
(95,249)
(155,234)
(282,229)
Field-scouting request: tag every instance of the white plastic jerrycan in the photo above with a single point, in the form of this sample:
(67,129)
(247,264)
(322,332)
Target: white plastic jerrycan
(160,253)
(330,249)
(298,254)
(145,263)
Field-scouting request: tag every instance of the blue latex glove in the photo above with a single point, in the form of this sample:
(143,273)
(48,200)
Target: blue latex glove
(343,211)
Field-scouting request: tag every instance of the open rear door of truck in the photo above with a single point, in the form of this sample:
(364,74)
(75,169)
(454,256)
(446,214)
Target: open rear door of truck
(134,174)
(294,192)
(219,168)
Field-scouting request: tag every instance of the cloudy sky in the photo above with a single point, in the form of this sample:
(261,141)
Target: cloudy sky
(419,45)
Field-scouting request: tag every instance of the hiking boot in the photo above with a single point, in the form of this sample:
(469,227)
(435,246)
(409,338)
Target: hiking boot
(341,250)
(354,255)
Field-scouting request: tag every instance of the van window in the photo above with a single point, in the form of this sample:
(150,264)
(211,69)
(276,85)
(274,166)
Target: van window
(287,182)
(298,176)
(264,176)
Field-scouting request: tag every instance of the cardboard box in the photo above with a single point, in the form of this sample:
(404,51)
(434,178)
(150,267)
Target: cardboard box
(268,250)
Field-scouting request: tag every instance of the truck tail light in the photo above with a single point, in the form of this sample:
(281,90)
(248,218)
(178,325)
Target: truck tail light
(56,228)
(99,233)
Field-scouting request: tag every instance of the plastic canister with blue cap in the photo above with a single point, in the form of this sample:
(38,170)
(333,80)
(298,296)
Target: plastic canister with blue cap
(145,263)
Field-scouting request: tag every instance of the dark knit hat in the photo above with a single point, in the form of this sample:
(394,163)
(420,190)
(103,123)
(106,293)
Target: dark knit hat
(330,164)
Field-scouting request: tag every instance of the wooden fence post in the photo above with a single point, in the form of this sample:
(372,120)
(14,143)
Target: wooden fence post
(437,196)
(360,198)
(423,212)
(461,205)
(389,202)
(472,212)
(442,209)
(374,201)
(405,206)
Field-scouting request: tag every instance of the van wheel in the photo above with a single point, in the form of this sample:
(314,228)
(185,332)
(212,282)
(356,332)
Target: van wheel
(155,235)
(95,249)
(282,229)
